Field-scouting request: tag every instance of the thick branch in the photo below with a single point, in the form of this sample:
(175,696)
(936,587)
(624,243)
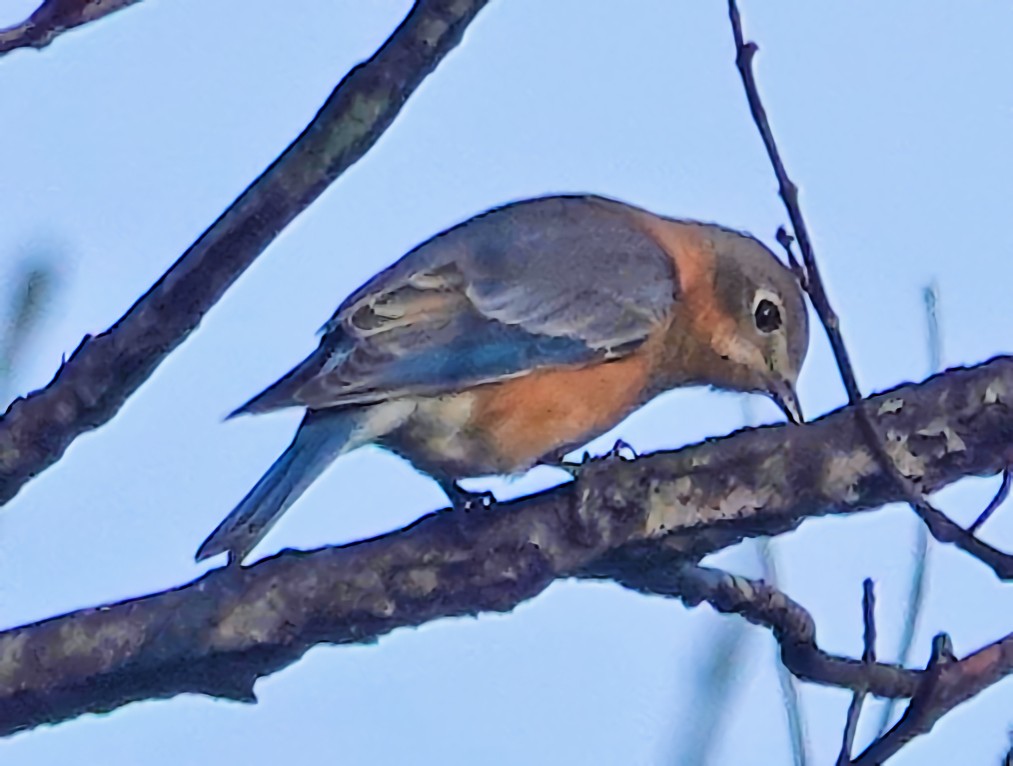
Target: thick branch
(220,633)
(105,370)
(53,18)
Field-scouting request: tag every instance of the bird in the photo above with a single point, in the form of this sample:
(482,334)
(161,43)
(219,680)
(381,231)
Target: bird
(515,337)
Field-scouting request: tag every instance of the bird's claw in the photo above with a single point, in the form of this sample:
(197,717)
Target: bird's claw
(622,448)
(572,467)
(466,501)
(478,501)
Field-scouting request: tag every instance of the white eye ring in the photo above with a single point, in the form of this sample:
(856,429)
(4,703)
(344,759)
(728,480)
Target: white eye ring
(763,294)
(768,311)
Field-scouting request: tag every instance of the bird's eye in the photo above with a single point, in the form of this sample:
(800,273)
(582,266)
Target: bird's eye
(767,316)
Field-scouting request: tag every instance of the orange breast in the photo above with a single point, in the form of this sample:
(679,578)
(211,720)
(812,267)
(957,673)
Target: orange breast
(528,418)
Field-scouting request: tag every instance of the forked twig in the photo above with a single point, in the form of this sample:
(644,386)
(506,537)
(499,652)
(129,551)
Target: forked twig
(947,682)
(941,527)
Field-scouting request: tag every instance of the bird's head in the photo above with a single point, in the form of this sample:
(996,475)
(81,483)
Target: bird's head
(765,335)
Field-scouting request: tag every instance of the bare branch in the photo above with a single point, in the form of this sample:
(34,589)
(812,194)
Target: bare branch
(632,520)
(53,18)
(998,499)
(940,526)
(868,658)
(935,691)
(786,681)
(761,604)
(946,683)
(105,370)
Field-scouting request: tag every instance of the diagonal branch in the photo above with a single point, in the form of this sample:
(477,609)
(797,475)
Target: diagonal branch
(761,604)
(945,683)
(941,527)
(619,519)
(53,18)
(105,370)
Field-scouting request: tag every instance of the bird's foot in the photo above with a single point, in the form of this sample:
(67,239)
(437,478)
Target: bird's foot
(572,467)
(621,449)
(465,500)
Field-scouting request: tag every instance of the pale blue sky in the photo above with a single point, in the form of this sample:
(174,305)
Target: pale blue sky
(122,141)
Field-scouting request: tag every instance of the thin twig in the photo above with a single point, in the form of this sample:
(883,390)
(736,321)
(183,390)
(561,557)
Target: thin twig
(999,499)
(942,686)
(787,682)
(919,572)
(868,658)
(795,631)
(940,526)
(769,572)
(105,370)
(947,682)
(759,603)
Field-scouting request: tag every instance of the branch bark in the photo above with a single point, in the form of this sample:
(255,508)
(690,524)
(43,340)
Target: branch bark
(792,625)
(91,386)
(53,18)
(941,527)
(618,519)
(945,683)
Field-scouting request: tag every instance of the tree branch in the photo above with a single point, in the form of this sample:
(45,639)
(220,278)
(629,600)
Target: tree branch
(761,604)
(941,527)
(620,519)
(868,658)
(53,18)
(918,587)
(105,370)
(945,683)
(935,691)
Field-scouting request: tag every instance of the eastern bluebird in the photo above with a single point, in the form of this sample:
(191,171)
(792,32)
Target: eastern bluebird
(519,335)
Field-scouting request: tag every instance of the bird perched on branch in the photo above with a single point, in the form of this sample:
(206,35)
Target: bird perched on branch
(519,335)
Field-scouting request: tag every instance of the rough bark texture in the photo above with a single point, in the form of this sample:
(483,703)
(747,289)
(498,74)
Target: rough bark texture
(793,627)
(53,18)
(627,520)
(105,370)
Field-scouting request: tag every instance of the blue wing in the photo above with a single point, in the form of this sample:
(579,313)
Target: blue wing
(556,281)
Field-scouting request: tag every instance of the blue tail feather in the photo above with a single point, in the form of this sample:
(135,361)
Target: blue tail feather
(321,438)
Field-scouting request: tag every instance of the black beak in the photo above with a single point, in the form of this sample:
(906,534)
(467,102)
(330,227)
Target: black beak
(783,394)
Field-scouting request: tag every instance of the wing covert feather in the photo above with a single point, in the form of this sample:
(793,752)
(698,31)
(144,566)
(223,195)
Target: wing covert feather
(546,282)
